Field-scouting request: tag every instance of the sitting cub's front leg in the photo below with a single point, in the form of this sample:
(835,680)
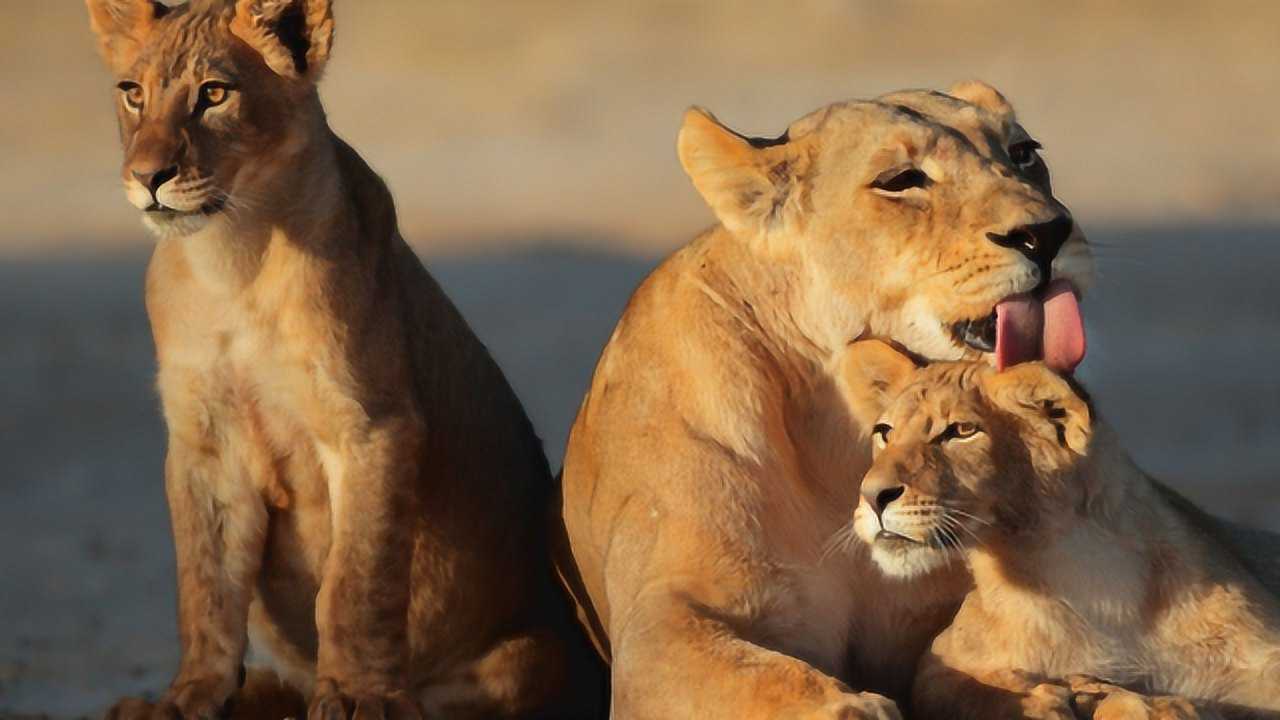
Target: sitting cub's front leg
(219,526)
(362,607)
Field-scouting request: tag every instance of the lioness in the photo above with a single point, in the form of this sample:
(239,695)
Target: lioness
(355,489)
(709,464)
(1080,565)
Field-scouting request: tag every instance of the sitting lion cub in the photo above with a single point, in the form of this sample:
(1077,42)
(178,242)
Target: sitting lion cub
(1081,567)
(357,497)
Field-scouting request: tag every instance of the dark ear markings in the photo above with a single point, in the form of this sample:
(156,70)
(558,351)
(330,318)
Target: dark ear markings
(762,143)
(159,9)
(291,30)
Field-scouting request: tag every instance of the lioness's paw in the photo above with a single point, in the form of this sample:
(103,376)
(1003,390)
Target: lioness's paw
(330,703)
(1047,701)
(1104,701)
(863,706)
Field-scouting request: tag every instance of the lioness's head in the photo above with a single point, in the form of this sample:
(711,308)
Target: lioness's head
(923,217)
(214,99)
(963,455)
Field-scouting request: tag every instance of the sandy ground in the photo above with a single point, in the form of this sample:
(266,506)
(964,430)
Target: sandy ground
(502,119)
(1184,329)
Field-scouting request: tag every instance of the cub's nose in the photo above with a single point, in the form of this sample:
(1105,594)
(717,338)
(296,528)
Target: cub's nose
(879,494)
(153,179)
(1040,242)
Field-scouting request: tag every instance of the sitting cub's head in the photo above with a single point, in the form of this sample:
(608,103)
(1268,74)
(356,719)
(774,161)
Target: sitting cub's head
(963,455)
(924,217)
(215,98)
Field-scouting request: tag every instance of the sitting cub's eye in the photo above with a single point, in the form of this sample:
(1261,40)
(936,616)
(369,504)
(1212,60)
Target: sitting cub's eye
(961,431)
(880,433)
(900,180)
(213,94)
(1023,154)
(132,93)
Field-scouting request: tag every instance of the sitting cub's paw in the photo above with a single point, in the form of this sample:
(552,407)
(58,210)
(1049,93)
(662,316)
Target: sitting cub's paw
(204,699)
(863,706)
(330,703)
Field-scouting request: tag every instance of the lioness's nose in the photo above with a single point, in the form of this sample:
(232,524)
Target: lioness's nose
(1039,242)
(879,494)
(153,179)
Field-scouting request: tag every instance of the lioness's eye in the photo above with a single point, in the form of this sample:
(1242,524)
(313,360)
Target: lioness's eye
(881,433)
(960,431)
(132,93)
(1023,154)
(900,180)
(213,94)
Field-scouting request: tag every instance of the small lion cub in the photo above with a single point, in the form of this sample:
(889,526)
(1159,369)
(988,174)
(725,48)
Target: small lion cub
(1083,567)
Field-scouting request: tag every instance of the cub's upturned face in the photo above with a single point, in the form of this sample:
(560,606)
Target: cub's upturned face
(208,113)
(963,455)
(925,217)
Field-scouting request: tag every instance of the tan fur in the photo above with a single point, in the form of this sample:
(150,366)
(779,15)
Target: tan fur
(356,493)
(1082,569)
(707,468)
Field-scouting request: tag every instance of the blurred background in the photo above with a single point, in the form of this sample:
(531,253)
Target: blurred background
(530,146)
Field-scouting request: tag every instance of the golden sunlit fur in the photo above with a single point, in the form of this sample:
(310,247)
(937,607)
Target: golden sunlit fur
(1082,569)
(357,496)
(708,470)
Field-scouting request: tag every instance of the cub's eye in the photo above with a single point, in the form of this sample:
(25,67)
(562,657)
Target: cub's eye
(880,433)
(213,94)
(132,94)
(900,180)
(1023,154)
(961,431)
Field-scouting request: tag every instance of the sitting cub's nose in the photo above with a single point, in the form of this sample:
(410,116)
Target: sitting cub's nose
(153,179)
(1040,242)
(879,494)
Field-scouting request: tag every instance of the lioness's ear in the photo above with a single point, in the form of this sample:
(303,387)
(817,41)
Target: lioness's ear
(122,26)
(1032,389)
(983,95)
(750,184)
(293,36)
(873,374)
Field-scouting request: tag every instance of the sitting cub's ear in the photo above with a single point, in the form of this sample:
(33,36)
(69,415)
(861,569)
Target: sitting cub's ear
(1032,390)
(293,36)
(983,95)
(873,374)
(752,185)
(122,26)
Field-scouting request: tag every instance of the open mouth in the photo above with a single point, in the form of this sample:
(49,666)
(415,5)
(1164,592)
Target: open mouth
(1044,324)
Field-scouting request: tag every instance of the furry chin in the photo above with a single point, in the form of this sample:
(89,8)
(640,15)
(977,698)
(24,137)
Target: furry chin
(175,226)
(906,564)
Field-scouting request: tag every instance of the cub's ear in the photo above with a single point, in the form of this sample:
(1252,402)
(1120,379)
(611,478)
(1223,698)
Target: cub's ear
(293,36)
(752,185)
(873,374)
(122,26)
(1033,391)
(983,95)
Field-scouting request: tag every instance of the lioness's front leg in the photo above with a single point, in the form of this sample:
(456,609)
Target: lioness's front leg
(362,607)
(945,693)
(219,526)
(675,659)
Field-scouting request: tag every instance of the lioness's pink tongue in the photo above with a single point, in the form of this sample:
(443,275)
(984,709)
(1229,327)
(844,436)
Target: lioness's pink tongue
(1019,325)
(1064,343)
(1028,329)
